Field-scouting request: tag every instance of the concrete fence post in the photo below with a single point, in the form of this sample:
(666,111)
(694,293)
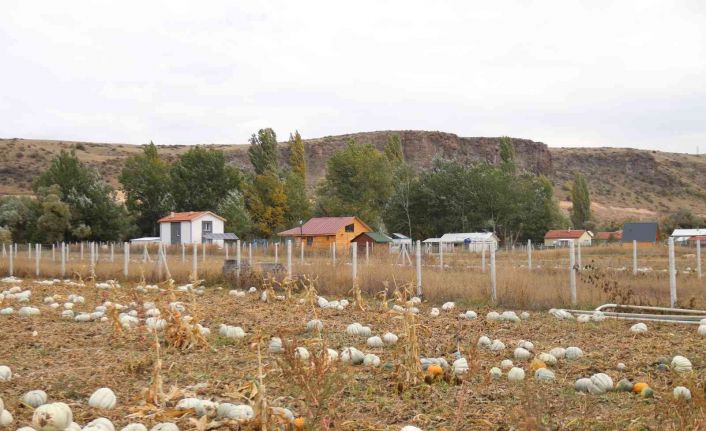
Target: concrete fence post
(419,268)
(10,262)
(195,263)
(112,252)
(237,259)
(276,253)
(289,258)
(698,258)
(529,254)
(354,260)
(63,260)
(482,257)
(37,258)
(441,255)
(634,257)
(572,273)
(126,259)
(333,253)
(493,277)
(672,275)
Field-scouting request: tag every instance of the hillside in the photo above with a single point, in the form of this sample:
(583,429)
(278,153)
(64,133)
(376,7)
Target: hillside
(625,183)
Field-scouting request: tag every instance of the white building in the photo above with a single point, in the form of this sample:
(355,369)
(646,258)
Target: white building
(191,227)
(683,235)
(473,241)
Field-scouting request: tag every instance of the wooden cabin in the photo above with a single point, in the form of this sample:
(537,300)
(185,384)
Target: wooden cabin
(321,232)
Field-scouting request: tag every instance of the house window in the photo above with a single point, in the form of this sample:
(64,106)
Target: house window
(310,240)
(207,227)
(350,228)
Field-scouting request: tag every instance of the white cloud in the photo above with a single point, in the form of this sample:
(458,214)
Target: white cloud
(627,73)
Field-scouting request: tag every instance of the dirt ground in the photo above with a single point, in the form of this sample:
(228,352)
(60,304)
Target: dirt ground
(69,360)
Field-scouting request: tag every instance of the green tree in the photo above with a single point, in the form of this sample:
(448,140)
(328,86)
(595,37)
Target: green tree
(81,232)
(201,178)
(19,215)
(263,151)
(92,201)
(233,209)
(298,205)
(507,154)
(393,149)
(55,218)
(146,183)
(5,235)
(581,202)
(297,156)
(266,201)
(358,182)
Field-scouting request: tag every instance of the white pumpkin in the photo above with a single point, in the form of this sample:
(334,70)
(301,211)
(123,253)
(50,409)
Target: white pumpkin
(352,355)
(35,398)
(134,427)
(598,316)
(497,346)
(67,314)
(506,364)
(275,345)
(583,384)
(314,325)
(638,328)
(544,374)
(681,393)
(701,330)
(434,312)
(52,417)
(375,342)
(527,345)
(228,331)
(5,419)
(332,355)
(509,316)
(302,354)
(495,373)
(448,306)
(283,413)
(524,315)
(103,398)
(583,318)
(516,374)
(238,412)
(100,424)
(155,323)
(492,315)
(484,341)
(353,329)
(165,426)
(390,338)
(371,360)
(468,315)
(602,381)
(5,373)
(410,428)
(522,354)
(29,311)
(2,405)
(573,353)
(460,366)
(26,429)
(547,358)
(680,364)
(7,311)
(558,352)
(365,331)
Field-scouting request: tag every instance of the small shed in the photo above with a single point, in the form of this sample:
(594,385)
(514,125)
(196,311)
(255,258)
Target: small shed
(371,238)
(226,237)
(562,238)
(642,232)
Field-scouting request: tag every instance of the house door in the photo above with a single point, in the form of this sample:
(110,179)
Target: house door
(176,233)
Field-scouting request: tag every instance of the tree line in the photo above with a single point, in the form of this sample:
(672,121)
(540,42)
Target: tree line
(72,202)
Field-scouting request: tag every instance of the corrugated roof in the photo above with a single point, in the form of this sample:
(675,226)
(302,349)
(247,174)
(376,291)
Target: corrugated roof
(375,236)
(187,216)
(688,232)
(698,238)
(221,236)
(559,234)
(321,226)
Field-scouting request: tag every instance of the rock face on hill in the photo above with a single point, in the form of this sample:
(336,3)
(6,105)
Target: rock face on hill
(624,183)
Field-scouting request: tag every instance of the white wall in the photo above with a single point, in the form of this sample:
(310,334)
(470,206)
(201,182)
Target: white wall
(191,230)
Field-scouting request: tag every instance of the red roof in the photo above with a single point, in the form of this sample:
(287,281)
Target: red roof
(561,234)
(698,238)
(187,216)
(617,235)
(321,226)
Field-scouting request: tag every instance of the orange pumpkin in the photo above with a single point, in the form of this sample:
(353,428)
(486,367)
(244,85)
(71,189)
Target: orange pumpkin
(435,370)
(537,364)
(638,387)
(299,423)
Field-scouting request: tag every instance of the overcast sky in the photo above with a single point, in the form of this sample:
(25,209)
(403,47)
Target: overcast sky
(567,73)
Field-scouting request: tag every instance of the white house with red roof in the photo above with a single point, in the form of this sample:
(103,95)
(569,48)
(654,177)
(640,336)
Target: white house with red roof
(192,227)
